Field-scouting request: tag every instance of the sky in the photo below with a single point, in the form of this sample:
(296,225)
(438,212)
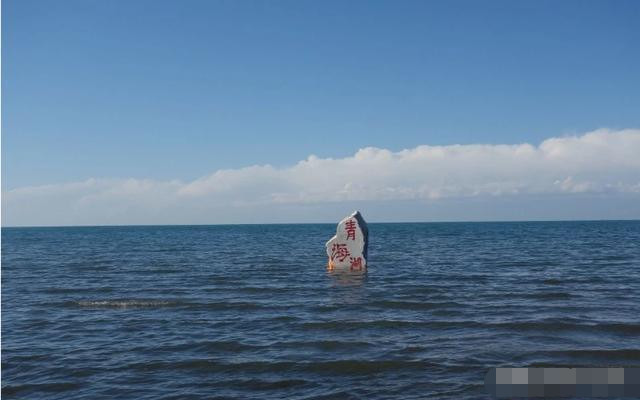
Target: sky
(171,112)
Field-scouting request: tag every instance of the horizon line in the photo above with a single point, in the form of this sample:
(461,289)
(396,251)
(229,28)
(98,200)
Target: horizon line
(323,223)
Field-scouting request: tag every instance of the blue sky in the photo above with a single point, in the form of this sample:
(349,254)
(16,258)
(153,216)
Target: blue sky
(177,90)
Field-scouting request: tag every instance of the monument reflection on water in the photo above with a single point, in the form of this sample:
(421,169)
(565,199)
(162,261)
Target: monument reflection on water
(347,288)
(341,277)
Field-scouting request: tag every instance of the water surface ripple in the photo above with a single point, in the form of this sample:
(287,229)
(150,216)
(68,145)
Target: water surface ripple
(250,312)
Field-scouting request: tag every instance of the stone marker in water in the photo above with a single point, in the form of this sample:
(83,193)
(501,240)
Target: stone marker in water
(347,250)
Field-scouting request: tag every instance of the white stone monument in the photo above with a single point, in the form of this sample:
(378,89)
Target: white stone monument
(347,250)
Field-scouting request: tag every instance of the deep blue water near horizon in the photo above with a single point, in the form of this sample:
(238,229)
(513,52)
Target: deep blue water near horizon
(250,312)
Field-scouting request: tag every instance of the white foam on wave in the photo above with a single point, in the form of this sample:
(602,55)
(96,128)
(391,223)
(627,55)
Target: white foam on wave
(125,303)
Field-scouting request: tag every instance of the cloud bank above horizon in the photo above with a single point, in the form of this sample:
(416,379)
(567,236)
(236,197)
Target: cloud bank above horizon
(598,171)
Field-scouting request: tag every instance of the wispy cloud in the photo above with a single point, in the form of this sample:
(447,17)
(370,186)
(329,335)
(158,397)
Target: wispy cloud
(603,162)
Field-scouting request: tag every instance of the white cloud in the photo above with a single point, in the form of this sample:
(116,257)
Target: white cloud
(603,162)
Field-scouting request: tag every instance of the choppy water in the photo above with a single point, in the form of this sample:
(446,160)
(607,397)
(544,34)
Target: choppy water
(249,311)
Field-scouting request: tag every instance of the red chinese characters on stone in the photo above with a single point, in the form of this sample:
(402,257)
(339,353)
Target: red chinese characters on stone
(350,227)
(356,263)
(339,252)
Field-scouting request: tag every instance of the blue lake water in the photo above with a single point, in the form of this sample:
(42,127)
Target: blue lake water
(250,311)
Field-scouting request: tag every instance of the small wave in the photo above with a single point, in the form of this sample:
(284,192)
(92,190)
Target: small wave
(415,305)
(555,326)
(544,325)
(446,313)
(345,367)
(202,346)
(336,394)
(600,354)
(365,367)
(412,349)
(52,387)
(327,345)
(575,280)
(153,303)
(15,359)
(550,295)
(63,290)
(265,289)
(163,271)
(341,325)
(324,308)
(227,306)
(259,384)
